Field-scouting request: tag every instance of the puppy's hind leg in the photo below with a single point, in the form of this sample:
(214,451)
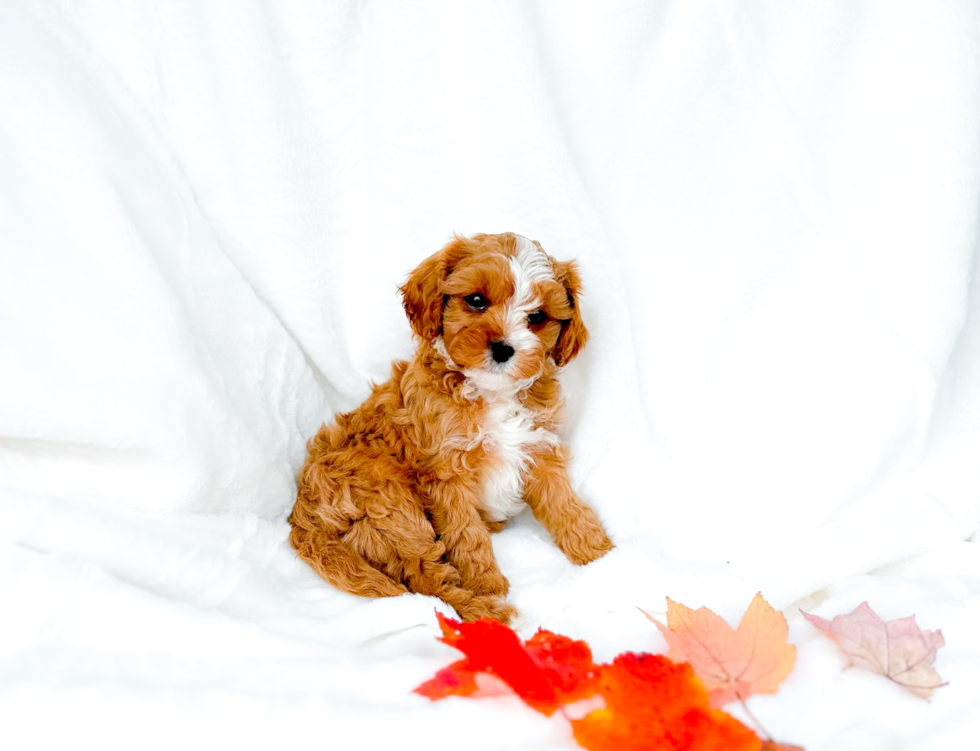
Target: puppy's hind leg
(332,531)
(342,567)
(426,571)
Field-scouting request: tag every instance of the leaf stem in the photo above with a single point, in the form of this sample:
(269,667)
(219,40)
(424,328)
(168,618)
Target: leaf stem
(765,733)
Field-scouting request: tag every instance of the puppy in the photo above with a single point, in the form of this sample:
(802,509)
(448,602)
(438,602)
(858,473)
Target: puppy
(402,493)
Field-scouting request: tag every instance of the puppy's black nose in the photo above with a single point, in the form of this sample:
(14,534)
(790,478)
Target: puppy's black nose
(501,352)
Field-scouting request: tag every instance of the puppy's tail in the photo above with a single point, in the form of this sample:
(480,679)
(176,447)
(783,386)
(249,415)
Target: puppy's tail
(342,567)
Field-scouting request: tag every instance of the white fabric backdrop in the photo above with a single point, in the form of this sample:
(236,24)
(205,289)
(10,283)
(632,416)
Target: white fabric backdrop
(206,209)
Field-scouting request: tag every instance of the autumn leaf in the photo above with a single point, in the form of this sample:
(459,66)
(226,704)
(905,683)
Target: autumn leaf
(898,650)
(653,704)
(732,663)
(566,664)
(456,680)
(546,671)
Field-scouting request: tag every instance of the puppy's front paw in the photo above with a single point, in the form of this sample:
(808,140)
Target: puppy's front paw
(586,542)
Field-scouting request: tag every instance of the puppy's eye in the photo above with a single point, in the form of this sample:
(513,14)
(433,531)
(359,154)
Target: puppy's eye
(476,301)
(537,318)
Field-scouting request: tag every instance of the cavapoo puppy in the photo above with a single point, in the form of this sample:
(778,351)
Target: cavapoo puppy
(402,493)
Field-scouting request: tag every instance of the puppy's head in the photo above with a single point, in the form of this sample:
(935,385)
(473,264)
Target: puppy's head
(498,307)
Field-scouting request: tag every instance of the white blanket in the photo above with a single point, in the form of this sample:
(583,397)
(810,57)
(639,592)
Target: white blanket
(206,209)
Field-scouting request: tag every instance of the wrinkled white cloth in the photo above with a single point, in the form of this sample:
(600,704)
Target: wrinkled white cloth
(206,210)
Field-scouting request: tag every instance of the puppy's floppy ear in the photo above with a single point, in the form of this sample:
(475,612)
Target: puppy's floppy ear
(422,295)
(573,334)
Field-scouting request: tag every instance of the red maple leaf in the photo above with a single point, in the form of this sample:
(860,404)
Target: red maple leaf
(548,670)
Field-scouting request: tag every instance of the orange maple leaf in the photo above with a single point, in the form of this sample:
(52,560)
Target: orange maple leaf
(653,704)
(898,650)
(732,663)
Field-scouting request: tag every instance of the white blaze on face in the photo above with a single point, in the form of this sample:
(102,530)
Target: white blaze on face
(528,266)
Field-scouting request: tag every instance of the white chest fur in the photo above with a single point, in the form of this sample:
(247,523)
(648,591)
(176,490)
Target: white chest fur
(508,436)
